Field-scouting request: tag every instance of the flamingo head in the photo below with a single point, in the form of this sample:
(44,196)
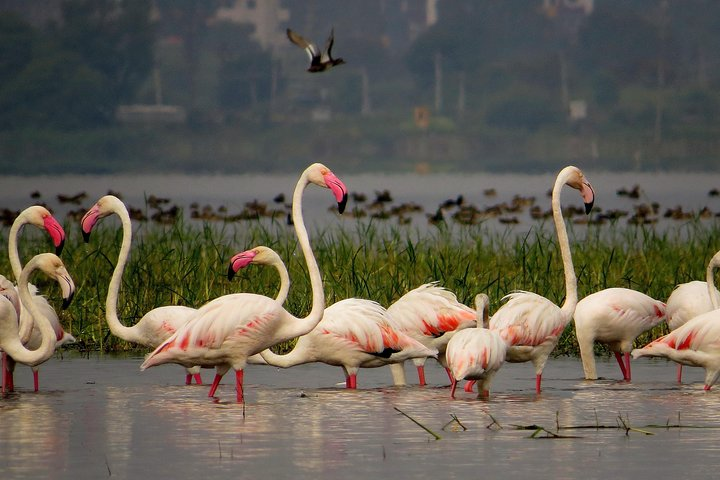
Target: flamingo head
(322,176)
(55,269)
(576,179)
(259,255)
(42,218)
(102,208)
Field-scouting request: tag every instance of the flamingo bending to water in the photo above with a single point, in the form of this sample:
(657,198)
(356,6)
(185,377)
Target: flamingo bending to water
(10,341)
(158,324)
(531,323)
(694,343)
(30,335)
(615,317)
(226,331)
(353,333)
(476,353)
(687,301)
(431,315)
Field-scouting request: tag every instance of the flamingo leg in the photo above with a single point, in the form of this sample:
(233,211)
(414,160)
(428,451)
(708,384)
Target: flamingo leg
(421,374)
(453,384)
(214,385)
(449,374)
(706,388)
(619,359)
(239,385)
(484,394)
(198,378)
(538,381)
(469,386)
(627,366)
(351,381)
(679,373)
(188,379)
(4,372)
(36,380)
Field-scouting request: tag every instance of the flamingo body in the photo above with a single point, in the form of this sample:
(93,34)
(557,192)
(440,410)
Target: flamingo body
(688,300)
(614,317)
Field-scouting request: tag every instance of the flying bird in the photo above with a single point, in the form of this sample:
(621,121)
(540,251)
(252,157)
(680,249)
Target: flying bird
(319,61)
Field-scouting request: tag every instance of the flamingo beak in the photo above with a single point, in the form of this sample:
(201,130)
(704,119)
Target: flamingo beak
(339,190)
(56,232)
(68,290)
(238,261)
(588,195)
(88,222)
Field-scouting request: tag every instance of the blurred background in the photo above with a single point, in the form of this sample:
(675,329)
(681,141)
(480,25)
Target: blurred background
(117,86)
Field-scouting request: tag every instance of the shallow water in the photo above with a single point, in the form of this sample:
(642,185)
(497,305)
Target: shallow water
(100,416)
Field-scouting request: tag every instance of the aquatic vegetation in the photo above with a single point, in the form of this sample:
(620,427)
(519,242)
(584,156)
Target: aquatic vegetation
(185,263)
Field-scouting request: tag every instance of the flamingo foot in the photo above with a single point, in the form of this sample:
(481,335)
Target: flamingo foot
(421,375)
(469,386)
(36,380)
(198,378)
(239,385)
(538,382)
(679,373)
(453,384)
(214,386)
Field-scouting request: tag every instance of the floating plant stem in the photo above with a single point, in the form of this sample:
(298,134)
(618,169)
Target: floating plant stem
(437,437)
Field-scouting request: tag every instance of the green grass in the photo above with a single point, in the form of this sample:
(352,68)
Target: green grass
(186,264)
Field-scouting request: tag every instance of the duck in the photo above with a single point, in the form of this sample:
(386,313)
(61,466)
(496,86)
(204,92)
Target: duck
(319,61)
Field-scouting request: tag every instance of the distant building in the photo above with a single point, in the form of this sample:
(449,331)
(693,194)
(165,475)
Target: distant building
(267,16)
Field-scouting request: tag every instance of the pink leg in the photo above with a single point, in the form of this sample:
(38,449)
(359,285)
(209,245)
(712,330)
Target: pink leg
(469,386)
(239,385)
(627,366)
(198,379)
(453,384)
(449,374)
(36,380)
(4,373)
(485,394)
(619,359)
(351,381)
(214,385)
(421,374)
(538,381)
(188,379)
(706,388)
(679,373)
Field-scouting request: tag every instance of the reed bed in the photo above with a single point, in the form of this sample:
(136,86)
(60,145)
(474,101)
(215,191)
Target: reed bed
(186,264)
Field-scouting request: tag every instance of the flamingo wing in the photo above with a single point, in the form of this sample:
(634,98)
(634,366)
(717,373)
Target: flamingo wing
(687,301)
(528,319)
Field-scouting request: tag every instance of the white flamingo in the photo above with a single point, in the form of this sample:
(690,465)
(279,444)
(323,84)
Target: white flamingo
(431,315)
(696,342)
(30,335)
(226,331)
(614,317)
(688,300)
(476,354)
(158,324)
(531,323)
(354,333)
(10,341)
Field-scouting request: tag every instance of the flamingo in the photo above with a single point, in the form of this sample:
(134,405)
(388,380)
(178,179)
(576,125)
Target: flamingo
(431,315)
(531,323)
(30,335)
(476,353)
(615,317)
(695,342)
(688,300)
(158,324)
(354,333)
(224,332)
(10,341)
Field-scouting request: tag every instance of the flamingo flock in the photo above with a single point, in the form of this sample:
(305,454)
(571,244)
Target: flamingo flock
(234,330)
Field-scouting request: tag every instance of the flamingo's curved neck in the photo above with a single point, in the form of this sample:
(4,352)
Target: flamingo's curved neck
(13,253)
(710,279)
(297,356)
(284,279)
(116,327)
(14,346)
(571,295)
(318,302)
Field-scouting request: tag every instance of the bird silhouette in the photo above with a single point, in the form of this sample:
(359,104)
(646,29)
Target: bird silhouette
(319,60)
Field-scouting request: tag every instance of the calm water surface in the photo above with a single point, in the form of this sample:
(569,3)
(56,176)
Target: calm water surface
(101,417)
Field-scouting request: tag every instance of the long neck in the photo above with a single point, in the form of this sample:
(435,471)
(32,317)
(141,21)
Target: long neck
(710,278)
(571,296)
(297,356)
(13,247)
(13,345)
(284,280)
(318,303)
(116,327)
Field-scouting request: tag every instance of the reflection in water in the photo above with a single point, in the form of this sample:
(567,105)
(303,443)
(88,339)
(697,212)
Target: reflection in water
(102,417)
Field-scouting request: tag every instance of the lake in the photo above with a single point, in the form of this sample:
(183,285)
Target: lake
(229,194)
(99,416)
